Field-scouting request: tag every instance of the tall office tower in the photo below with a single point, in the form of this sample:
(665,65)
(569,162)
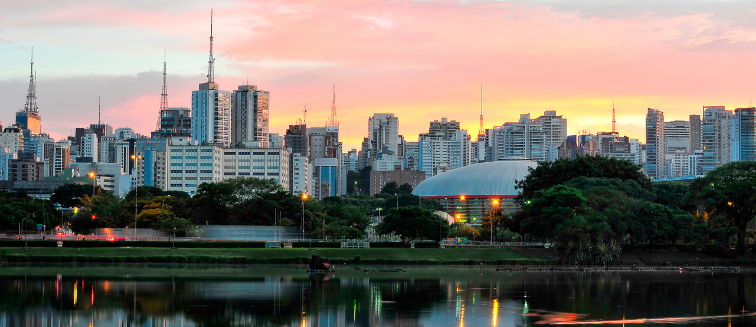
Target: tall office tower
(695,133)
(249,116)
(191,165)
(125,133)
(5,158)
(412,155)
(175,122)
(715,137)
(275,140)
(655,143)
(151,170)
(383,132)
(61,156)
(442,130)
(211,108)
(743,135)
(351,160)
(555,131)
(300,176)
(28,117)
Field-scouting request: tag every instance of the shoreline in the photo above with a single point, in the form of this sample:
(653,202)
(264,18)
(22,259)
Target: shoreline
(509,257)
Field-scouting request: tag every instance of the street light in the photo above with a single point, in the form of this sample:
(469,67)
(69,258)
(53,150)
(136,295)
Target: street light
(162,208)
(494,203)
(136,190)
(304,197)
(397,201)
(26,241)
(93,175)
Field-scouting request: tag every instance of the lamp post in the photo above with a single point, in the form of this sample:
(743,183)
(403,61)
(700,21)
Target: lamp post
(26,241)
(494,203)
(162,208)
(136,190)
(397,201)
(93,175)
(304,197)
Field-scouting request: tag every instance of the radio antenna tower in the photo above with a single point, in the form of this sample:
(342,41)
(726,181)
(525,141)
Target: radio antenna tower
(211,61)
(333,121)
(614,122)
(304,120)
(31,96)
(163,96)
(99,121)
(480,131)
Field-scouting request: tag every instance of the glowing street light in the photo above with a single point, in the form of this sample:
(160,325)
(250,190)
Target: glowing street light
(93,175)
(304,198)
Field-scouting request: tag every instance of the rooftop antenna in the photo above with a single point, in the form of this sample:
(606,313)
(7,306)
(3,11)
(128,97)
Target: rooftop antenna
(304,121)
(480,131)
(31,96)
(164,95)
(614,121)
(99,121)
(211,61)
(333,121)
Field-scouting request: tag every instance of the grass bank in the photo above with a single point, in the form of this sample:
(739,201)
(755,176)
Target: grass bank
(270,256)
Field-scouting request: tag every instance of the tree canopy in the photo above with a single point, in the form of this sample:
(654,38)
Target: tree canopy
(729,191)
(413,222)
(560,171)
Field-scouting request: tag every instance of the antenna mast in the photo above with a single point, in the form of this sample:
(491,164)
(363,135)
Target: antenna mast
(99,121)
(480,131)
(211,61)
(31,96)
(333,121)
(613,120)
(163,96)
(305,115)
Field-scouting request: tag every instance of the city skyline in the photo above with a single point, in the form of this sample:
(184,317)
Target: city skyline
(420,61)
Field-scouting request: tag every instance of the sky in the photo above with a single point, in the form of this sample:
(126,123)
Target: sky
(421,60)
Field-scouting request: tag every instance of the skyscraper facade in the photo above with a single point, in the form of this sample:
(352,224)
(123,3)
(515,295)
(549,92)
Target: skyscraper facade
(249,115)
(655,143)
(743,135)
(211,115)
(715,137)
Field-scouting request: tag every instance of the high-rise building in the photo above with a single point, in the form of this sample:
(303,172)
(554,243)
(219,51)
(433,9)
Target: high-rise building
(743,135)
(61,156)
(715,137)
(211,108)
(325,158)
(211,115)
(537,139)
(13,139)
(655,143)
(90,147)
(249,115)
(190,165)
(695,133)
(677,136)
(383,132)
(443,148)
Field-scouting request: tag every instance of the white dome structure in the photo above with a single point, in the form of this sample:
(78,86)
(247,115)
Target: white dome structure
(469,192)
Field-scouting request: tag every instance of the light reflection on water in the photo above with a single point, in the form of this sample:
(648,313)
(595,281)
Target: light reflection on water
(426,296)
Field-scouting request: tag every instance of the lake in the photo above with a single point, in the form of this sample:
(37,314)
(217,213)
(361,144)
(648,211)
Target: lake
(267,295)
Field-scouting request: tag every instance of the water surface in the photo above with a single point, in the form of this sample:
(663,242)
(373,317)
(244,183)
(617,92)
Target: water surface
(202,295)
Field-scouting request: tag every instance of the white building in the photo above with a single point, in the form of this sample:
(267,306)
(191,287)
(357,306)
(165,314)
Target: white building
(715,137)
(90,147)
(439,155)
(383,130)
(263,163)
(13,139)
(743,135)
(301,174)
(61,156)
(189,165)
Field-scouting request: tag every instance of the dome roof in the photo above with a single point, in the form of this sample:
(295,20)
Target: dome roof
(483,179)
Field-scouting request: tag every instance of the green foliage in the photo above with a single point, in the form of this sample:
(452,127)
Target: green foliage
(670,194)
(143,192)
(69,195)
(729,192)
(412,222)
(496,219)
(560,171)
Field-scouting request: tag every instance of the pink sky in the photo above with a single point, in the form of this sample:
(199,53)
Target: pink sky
(421,60)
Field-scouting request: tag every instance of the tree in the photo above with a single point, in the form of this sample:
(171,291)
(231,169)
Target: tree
(670,194)
(551,207)
(413,222)
(560,171)
(144,192)
(730,191)
(69,194)
(495,220)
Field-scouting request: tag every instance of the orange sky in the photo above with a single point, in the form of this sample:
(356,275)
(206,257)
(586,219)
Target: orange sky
(421,60)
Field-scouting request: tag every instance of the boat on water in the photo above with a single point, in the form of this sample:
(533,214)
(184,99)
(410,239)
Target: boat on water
(319,265)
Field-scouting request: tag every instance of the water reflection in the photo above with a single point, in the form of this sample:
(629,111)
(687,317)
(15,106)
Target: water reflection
(426,296)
